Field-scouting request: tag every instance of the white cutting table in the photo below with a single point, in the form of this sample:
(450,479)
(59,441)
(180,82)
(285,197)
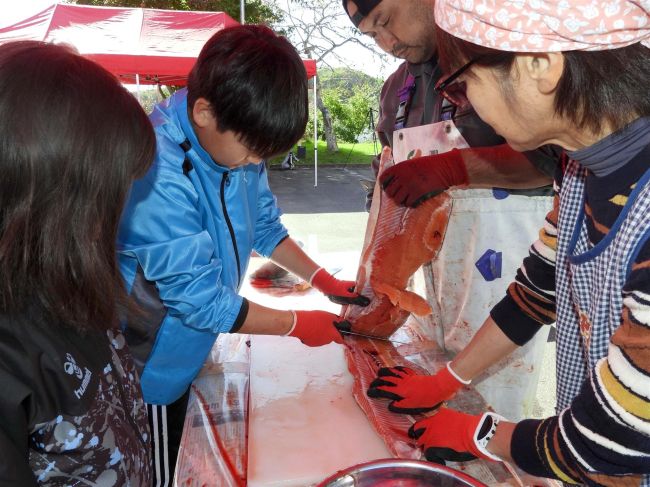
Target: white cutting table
(301,420)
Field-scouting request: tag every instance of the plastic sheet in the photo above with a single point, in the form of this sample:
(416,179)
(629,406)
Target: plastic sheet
(214,443)
(214,448)
(416,350)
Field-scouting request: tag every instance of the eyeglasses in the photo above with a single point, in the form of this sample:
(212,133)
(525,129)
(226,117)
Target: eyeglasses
(453,90)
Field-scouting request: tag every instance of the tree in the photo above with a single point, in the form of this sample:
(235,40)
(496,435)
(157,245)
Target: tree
(348,80)
(149,98)
(256,12)
(350,95)
(315,28)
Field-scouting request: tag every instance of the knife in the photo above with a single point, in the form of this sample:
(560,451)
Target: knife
(344,329)
(361,335)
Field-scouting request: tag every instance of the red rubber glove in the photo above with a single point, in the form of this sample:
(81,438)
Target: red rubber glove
(315,328)
(412,182)
(339,292)
(412,393)
(452,435)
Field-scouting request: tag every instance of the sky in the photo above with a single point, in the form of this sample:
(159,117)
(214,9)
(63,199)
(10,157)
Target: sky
(356,56)
(16,10)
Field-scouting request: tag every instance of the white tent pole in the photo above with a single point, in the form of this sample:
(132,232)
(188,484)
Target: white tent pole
(137,84)
(315,136)
(241,11)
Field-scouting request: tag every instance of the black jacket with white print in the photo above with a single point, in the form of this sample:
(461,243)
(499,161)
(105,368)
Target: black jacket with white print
(71,410)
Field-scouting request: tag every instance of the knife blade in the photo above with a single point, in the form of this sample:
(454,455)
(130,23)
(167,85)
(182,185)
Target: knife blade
(370,337)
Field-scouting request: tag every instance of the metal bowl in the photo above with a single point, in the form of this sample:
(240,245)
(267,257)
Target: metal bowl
(400,473)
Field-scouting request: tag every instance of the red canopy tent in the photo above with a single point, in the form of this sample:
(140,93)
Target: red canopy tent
(159,46)
(143,46)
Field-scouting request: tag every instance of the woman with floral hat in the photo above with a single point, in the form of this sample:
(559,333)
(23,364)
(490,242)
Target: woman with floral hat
(574,74)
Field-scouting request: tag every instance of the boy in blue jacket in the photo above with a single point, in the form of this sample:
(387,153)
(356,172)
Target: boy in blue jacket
(192,221)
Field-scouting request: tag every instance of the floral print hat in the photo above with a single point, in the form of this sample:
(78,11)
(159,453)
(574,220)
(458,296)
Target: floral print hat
(546,26)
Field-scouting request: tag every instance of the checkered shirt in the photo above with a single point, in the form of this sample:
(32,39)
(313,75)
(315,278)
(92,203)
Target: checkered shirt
(590,279)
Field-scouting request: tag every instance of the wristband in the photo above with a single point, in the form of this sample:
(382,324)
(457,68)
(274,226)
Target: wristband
(493,420)
(314,275)
(456,376)
(293,325)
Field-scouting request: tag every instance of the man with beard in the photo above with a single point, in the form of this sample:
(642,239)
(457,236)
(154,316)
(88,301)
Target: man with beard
(490,230)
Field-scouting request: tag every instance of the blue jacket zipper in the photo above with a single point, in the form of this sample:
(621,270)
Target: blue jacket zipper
(225,181)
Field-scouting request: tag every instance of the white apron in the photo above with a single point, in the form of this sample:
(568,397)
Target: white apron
(481,225)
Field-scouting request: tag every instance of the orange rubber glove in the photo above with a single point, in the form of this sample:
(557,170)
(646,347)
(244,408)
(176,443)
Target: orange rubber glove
(339,292)
(413,393)
(455,436)
(315,328)
(412,182)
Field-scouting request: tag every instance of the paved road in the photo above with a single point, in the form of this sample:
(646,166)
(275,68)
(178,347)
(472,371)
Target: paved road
(338,189)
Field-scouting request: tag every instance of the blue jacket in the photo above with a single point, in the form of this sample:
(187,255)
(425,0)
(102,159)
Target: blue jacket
(184,243)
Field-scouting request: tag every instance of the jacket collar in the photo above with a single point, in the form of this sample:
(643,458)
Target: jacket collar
(180,108)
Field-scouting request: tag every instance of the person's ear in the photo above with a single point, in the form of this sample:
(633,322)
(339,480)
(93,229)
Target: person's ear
(351,7)
(202,113)
(545,69)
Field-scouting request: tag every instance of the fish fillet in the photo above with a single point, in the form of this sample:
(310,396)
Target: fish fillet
(365,356)
(398,241)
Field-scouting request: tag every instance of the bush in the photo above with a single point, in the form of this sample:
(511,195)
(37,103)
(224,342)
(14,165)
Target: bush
(349,114)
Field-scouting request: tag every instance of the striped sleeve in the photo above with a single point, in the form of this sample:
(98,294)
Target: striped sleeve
(530,300)
(604,437)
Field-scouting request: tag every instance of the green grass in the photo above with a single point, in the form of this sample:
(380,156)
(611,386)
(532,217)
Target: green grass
(360,153)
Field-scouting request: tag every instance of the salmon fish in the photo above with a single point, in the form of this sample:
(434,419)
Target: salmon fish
(397,242)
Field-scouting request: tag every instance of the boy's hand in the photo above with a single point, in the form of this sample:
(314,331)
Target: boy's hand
(339,292)
(315,328)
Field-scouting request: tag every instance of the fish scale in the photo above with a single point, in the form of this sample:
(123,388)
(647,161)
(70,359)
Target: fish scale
(398,241)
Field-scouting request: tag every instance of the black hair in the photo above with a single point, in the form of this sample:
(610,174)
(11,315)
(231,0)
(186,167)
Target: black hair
(596,87)
(256,85)
(72,139)
(608,85)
